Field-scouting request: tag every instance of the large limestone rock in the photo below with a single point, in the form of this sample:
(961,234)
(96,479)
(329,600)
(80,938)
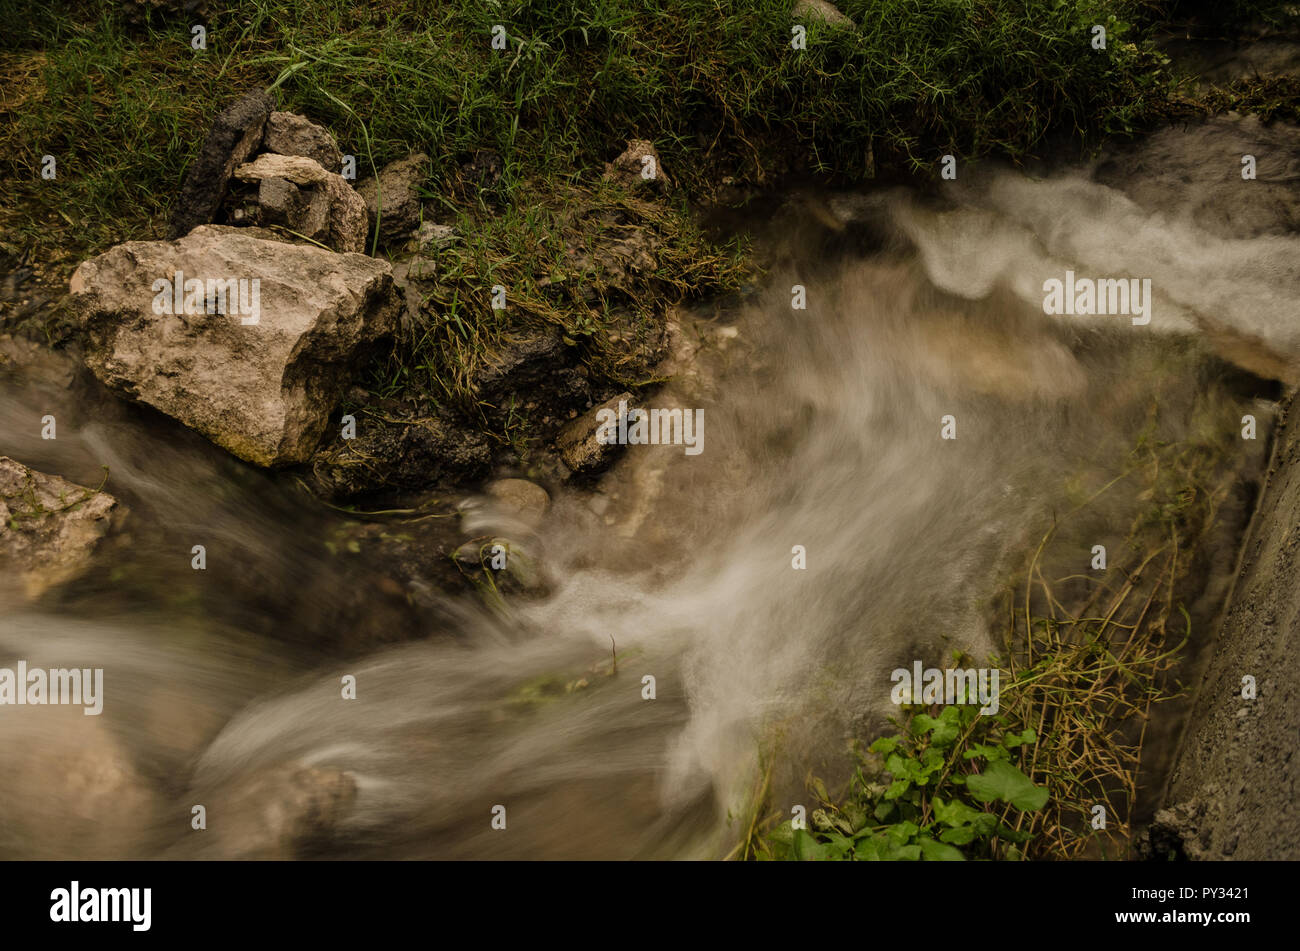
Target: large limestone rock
(263,389)
(49,527)
(296,191)
(1234,792)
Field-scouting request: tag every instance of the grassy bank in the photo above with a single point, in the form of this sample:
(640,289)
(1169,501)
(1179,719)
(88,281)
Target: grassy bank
(714,84)
(116,93)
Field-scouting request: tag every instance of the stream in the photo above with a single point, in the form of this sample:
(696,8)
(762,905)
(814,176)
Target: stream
(822,429)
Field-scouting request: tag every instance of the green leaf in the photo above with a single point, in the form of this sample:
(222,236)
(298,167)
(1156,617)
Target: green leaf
(939,852)
(1002,782)
(955,813)
(884,745)
(880,849)
(808,849)
(900,832)
(782,834)
(962,835)
(944,727)
(1012,835)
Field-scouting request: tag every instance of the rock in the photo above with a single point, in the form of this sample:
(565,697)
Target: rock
(522,499)
(639,168)
(279,812)
(399,447)
(328,210)
(49,527)
(137,13)
(263,390)
(435,237)
(577,443)
(820,11)
(235,135)
(1234,788)
(421,269)
(281,200)
(289,134)
(484,168)
(1177,834)
(619,262)
(1172,161)
(392,198)
(533,369)
(510,505)
(69,787)
(511,568)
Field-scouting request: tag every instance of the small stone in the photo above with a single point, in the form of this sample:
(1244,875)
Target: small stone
(435,237)
(289,134)
(334,215)
(281,200)
(577,443)
(521,499)
(820,10)
(639,168)
(392,198)
(421,269)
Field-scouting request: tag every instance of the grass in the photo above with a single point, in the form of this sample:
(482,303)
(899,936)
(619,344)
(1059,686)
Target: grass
(713,84)
(555,259)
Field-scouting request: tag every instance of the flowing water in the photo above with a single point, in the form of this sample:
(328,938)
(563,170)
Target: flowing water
(822,430)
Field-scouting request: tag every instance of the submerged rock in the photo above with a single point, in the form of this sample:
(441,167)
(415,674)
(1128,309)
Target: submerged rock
(279,812)
(262,346)
(521,499)
(49,527)
(498,565)
(507,505)
(70,788)
(235,135)
(1173,162)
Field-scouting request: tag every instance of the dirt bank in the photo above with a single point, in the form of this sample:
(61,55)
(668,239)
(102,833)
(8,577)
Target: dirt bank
(1233,791)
